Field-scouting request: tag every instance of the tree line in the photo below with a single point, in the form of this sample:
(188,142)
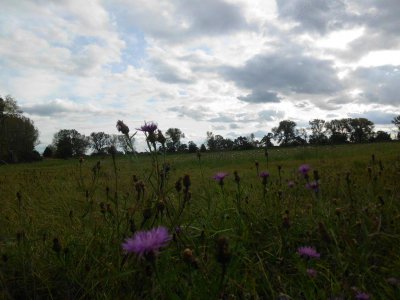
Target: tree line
(19,136)
(69,143)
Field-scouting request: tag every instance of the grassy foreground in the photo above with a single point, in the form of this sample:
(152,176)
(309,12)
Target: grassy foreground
(62,224)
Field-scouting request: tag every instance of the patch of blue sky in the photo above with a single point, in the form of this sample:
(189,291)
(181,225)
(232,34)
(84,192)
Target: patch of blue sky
(134,52)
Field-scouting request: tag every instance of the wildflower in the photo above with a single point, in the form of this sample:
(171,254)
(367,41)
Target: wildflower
(362,296)
(220,177)
(147,243)
(312,186)
(311,272)
(148,127)
(121,127)
(304,169)
(291,183)
(264,175)
(308,252)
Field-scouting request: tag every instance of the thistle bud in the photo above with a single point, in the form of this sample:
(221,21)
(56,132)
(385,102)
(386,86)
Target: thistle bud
(223,255)
(186,181)
(121,127)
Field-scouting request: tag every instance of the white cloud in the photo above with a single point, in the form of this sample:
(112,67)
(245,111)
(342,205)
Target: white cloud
(227,64)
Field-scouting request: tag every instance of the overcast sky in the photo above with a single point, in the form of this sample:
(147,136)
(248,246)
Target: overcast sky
(233,67)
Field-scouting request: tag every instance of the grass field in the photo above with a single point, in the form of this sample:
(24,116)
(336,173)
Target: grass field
(63,222)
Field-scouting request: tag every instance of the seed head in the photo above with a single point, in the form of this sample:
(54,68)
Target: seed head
(121,127)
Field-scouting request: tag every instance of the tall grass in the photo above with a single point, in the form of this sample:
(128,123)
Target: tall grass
(62,224)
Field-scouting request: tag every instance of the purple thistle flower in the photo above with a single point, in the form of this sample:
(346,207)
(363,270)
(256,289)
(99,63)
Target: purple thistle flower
(312,272)
(304,169)
(147,242)
(264,174)
(148,127)
(220,177)
(362,296)
(308,252)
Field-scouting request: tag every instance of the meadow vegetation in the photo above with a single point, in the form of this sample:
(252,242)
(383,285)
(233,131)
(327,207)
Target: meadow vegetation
(241,225)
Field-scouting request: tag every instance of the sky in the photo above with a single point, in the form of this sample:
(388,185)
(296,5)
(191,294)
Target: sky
(232,67)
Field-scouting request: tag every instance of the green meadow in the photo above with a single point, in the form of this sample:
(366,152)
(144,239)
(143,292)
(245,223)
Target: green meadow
(62,224)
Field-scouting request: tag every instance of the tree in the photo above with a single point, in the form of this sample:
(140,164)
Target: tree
(285,132)
(182,148)
(338,131)
(360,130)
(396,122)
(18,135)
(125,142)
(381,136)
(211,141)
(9,106)
(203,148)
(192,147)
(69,143)
(242,143)
(174,136)
(100,141)
(266,140)
(318,132)
(49,151)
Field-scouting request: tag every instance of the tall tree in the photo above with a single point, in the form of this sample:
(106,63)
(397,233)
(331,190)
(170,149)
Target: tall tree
(100,141)
(318,132)
(124,142)
(242,143)
(285,132)
(210,141)
(69,142)
(174,136)
(361,130)
(18,135)
(338,130)
(266,140)
(381,136)
(192,147)
(396,122)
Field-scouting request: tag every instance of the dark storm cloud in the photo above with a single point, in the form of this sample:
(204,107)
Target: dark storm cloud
(379,85)
(268,74)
